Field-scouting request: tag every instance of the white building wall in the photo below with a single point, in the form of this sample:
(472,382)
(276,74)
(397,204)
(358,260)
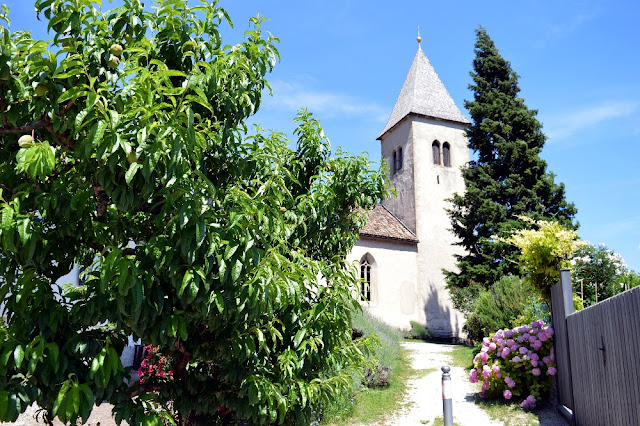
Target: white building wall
(434,184)
(403,204)
(393,289)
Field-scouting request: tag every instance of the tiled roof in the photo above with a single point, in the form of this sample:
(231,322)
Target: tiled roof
(381,223)
(423,94)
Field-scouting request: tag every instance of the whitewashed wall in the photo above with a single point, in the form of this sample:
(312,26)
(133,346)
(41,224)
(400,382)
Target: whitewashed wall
(393,293)
(434,184)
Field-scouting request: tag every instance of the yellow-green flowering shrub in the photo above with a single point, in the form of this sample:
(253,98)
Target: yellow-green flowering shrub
(543,251)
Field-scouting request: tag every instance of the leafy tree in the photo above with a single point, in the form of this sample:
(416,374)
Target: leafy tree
(598,273)
(500,306)
(508,178)
(123,149)
(630,280)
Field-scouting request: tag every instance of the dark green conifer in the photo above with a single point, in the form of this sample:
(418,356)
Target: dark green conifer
(506,178)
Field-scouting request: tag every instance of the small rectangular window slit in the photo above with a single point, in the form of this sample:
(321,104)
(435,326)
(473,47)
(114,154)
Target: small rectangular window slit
(438,179)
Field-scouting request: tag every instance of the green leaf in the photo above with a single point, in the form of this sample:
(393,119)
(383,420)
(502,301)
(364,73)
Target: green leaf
(31,248)
(200,231)
(72,94)
(6,354)
(4,404)
(182,329)
(88,402)
(95,136)
(18,355)
(230,250)
(23,230)
(7,218)
(58,405)
(114,359)
(299,336)
(54,355)
(131,172)
(187,279)
(218,300)
(73,405)
(37,161)
(237,269)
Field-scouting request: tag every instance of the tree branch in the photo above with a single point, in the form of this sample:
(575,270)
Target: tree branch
(23,129)
(44,122)
(3,108)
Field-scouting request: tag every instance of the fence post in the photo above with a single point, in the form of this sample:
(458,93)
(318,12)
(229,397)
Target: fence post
(447,406)
(561,307)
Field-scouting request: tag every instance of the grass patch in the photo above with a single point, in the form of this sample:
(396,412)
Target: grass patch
(462,356)
(368,405)
(511,414)
(418,374)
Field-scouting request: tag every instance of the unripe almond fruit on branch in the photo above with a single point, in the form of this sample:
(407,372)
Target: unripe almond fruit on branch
(113,61)
(116,49)
(41,90)
(25,141)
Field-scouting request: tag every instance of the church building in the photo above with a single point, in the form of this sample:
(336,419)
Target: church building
(407,241)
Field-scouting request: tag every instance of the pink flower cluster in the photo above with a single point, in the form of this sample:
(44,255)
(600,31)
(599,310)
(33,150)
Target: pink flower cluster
(514,363)
(529,402)
(154,365)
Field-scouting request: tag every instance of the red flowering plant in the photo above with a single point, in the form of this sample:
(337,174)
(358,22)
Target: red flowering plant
(155,367)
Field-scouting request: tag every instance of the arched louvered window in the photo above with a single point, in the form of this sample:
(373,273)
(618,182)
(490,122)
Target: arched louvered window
(399,160)
(435,147)
(394,163)
(446,154)
(367,278)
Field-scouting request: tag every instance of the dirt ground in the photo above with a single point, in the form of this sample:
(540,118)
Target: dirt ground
(100,416)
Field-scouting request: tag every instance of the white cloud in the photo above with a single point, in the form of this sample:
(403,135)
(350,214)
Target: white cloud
(572,23)
(564,126)
(293,96)
(628,226)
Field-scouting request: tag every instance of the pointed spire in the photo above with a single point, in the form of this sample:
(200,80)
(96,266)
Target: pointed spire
(423,94)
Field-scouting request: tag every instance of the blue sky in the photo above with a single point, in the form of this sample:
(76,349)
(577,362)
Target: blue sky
(579,66)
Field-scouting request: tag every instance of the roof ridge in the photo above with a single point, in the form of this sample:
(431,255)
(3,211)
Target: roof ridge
(398,219)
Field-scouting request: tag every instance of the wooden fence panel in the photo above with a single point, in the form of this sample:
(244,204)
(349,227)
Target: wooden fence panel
(604,348)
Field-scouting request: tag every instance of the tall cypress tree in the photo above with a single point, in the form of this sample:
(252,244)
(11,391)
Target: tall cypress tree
(507,179)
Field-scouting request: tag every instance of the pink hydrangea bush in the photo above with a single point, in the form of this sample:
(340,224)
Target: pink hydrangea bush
(516,364)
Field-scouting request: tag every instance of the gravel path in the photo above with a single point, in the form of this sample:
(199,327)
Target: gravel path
(424,398)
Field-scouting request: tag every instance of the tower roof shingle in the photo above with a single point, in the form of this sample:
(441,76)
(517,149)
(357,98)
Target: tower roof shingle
(423,93)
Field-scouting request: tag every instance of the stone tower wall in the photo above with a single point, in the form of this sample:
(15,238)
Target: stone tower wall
(403,204)
(434,184)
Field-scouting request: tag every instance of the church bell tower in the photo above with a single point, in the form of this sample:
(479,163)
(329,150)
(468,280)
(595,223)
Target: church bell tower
(425,147)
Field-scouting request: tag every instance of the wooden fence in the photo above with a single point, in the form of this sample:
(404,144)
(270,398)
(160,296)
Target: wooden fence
(598,356)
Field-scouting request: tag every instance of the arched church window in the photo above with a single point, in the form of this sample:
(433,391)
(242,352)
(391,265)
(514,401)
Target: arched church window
(399,160)
(435,147)
(367,277)
(394,163)
(446,154)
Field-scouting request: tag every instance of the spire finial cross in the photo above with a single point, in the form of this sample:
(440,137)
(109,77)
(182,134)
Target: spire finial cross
(419,38)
